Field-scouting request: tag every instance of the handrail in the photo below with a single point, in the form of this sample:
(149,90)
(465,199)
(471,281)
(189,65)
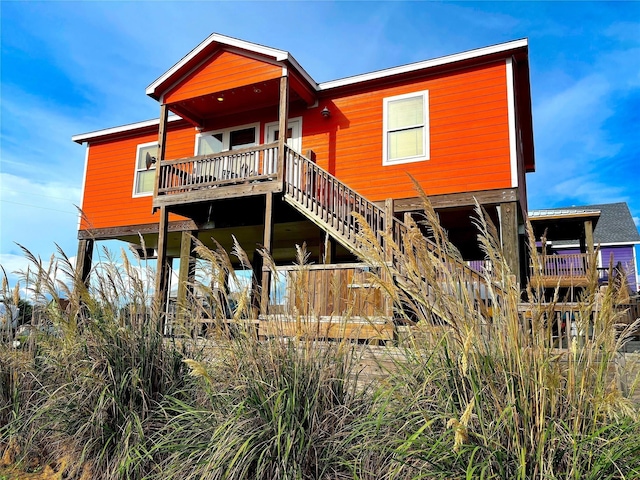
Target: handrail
(251,164)
(335,204)
(567,265)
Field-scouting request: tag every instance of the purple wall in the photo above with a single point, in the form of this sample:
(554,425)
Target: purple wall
(624,255)
(621,253)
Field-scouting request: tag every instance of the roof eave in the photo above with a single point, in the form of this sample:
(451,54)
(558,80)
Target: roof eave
(505,48)
(85,137)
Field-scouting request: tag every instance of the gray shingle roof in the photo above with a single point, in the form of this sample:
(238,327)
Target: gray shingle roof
(614,226)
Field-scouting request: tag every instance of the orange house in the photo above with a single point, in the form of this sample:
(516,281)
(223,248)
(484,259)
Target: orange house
(214,163)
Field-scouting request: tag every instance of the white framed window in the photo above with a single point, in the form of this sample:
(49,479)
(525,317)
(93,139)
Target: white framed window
(405,128)
(234,138)
(225,140)
(144,178)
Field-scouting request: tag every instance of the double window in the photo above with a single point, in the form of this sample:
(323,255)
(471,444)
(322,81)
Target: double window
(406,128)
(208,143)
(144,177)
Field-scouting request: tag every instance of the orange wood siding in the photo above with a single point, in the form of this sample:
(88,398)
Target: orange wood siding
(469,136)
(108,200)
(223,71)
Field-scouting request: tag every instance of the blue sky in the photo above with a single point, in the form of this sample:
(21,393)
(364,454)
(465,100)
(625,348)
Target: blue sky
(74,67)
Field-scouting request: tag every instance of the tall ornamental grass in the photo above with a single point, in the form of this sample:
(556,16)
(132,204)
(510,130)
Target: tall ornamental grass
(473,387)
(483,392)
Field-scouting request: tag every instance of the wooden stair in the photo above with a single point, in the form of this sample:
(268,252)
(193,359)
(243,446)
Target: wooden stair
(331,205)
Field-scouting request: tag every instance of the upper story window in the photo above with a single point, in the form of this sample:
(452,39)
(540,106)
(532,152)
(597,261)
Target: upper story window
(229,139)
(144,178)
(406,128)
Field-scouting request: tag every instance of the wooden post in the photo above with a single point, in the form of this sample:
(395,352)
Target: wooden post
(267,243)
(388,252)
(509,234)
(256,281)
(327,248)
(588,236)
(282,126)
(162,140)
(163,266)
(388,228)
(187,271)
(84,259)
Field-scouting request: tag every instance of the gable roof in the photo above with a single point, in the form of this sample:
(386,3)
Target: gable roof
(517,49)
(216,40)
(212,43)
(615,224)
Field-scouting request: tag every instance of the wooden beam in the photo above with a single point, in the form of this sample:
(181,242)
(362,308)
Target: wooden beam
(220,193)
(509,235)
(267,242)
(133,230)
(84,259)
(162,268)
(483,197)
(283,112)
(162,141)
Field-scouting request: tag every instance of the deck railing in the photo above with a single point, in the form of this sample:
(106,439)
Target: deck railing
(566,266)
(251,164)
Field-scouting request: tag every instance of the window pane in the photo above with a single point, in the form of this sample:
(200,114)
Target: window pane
(407,112)
(142,155)
(242,138)
(210,144)
(406,143)
(145,181)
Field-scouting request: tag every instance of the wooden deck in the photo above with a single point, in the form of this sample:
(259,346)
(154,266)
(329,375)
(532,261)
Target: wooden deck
(569,270)
(230,174)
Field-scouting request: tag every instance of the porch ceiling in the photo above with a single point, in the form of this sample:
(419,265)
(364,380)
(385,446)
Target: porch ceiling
(568,226)
(238,100)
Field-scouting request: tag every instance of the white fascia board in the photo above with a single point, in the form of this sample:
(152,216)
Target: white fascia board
(597,244)
(83,137)
(278,55)
(511,114)
(412,67)
(298,68)
(84,183)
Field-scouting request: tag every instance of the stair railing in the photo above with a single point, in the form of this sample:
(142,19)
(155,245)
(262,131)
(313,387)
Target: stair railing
(334,204)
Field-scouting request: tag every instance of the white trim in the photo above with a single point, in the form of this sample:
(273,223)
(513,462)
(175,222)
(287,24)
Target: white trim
(279,55)
(412,67)
(426,144)
(511,105)
(621,244)
(139,147)
(609,244)
(84,183)
(226,133)
(234,50)
(83,137)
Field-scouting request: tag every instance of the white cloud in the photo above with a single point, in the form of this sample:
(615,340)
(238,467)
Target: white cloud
(37,215)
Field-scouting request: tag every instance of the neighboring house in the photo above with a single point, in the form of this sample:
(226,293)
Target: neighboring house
(613,232)
(215,163)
